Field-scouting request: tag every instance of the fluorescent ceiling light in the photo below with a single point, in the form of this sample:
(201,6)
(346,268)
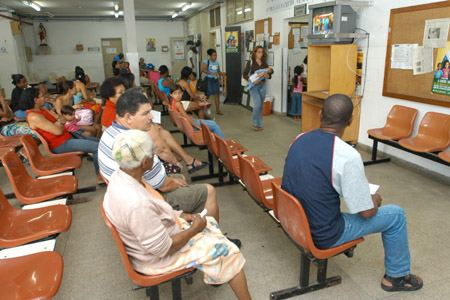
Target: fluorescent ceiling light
(34,6)
(116,14)
(239,12)
(186,6)
(116,7)
(175,14)
(248,9)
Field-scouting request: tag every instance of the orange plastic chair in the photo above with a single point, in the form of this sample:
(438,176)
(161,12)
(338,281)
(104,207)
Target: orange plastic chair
(31,190)
(399,124)
(34,276)
(19,227)
(149,282)
(90,85)
(260,190)
(295,224)
(49,152)
(196,136)
(211,143)
(42,165)
(433,135)
(7,141)
(445,155)
(4,150)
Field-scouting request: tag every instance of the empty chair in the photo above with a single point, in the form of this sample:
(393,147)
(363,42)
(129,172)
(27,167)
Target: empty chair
(295,224)
(5,149)
(445,155)
(31,190)
(19,227)
(91,85)
(211,143)
(42,165)
(149,282)
(10,141)
(433,135)
(34,276)
(260,190)
(399,124)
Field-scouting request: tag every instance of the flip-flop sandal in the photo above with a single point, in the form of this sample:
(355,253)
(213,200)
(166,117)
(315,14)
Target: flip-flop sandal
(194,168)
(76,201)
(400,284)
(101,184)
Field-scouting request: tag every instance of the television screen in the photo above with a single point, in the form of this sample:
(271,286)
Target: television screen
(323,20)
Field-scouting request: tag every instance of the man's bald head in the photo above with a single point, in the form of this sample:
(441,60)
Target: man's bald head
(337,110)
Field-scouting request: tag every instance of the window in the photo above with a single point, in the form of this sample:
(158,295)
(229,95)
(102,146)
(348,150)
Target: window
(239,11)
(214,17)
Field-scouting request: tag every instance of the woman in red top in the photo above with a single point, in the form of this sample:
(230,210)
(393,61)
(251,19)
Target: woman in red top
(50,127)
(110,90)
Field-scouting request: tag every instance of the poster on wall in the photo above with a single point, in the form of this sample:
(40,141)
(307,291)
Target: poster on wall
(178,49)
(231,41)
(441,84)
(249,38)
(150,45)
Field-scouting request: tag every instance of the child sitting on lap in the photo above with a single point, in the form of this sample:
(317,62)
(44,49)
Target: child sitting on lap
(71,122)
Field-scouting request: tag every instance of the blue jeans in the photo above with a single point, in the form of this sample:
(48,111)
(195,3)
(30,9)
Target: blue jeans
(212,125)
(296,106)
(258,93)
(89,144)
(390,220)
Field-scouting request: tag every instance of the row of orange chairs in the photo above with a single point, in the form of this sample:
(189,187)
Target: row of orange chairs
(39,275)
(432,138)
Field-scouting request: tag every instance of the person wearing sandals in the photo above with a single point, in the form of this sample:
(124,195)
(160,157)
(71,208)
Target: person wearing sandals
(320,169)
(159,239)
(134,112)
(211,68)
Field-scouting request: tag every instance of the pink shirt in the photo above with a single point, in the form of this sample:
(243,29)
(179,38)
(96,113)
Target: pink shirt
(72,126)
(154,76)
(144,222)
(299,87)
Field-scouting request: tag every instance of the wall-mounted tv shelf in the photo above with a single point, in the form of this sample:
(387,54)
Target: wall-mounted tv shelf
(331,70)
(339,35)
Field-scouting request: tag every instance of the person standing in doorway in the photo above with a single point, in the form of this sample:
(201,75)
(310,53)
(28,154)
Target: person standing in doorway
(211,68)
(258,92)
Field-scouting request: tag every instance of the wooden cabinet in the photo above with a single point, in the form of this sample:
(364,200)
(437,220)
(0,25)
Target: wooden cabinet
(331,70)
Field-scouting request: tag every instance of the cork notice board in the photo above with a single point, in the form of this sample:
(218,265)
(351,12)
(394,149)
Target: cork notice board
(406,26)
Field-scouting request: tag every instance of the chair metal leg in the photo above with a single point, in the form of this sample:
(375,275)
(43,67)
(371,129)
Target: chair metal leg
(211,170)
(304,287)
(374,155)
(176,290)
(153,292)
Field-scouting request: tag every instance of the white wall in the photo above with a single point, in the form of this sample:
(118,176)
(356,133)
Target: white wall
(8,62)
(63,36)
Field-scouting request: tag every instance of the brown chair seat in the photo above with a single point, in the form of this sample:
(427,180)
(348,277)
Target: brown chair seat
(13,141)
(31,190)
(433,134)
(42,165)
(49,152)
(4,150)
(445,155)
(399,124)
(295,224)
(19,227)
(34,276)
(137,278)
(196,136)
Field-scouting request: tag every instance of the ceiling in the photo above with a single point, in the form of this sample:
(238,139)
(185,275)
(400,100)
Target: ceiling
(102,9)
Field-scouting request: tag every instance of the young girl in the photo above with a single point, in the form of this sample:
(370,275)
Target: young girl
(71,122)
(438,72)
(193,83)
(296,106)
(175,94)
(446,70)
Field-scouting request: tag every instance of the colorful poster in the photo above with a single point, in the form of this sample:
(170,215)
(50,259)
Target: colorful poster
(441,84)
(231,41)
(150,45)
(249,38)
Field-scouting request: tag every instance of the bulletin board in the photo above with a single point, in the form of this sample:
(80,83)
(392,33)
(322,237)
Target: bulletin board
(259,27)
(406,26)
(291,40)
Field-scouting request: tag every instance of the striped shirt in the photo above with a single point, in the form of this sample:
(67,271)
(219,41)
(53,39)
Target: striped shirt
(155,177)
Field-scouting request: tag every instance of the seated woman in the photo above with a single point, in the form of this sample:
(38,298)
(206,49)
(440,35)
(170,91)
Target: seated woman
(158,239)
(189,99)
(164,81)
(65,98)
(21,83)
(50,127)
(83,97)
(176,93)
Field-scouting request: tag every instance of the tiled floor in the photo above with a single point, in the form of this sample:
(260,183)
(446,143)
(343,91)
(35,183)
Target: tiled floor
(93,269)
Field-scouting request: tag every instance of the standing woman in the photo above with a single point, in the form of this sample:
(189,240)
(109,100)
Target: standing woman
(212,70)
(258,92)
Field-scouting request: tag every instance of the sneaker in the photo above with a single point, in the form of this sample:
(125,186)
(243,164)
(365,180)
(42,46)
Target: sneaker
(237,242)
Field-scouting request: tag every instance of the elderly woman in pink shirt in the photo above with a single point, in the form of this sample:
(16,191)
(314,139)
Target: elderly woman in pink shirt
(159,239)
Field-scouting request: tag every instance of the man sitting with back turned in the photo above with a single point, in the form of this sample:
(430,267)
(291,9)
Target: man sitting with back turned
(320,168)
(133,112)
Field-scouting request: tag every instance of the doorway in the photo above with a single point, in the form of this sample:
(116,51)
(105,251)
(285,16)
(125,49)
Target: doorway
(110,48)
(178,55)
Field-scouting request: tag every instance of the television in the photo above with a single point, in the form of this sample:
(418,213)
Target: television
(328,23)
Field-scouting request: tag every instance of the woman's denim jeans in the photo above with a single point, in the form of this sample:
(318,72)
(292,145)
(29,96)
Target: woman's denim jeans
(258,93)
(88,144)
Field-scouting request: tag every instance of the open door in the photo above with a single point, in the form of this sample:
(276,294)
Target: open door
(178,55)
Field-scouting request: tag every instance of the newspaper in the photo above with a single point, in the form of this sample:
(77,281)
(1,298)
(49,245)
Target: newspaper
(422,58)
(401,57)
(435,34)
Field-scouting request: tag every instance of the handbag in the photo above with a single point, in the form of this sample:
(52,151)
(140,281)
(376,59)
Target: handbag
(202,84)
(244,81)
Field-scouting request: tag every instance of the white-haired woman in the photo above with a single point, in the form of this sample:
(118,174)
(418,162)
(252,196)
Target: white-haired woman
(159,239)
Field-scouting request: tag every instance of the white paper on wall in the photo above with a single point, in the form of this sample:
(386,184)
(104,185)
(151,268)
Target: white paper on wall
(436,33)
(111,50)
(422,60)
